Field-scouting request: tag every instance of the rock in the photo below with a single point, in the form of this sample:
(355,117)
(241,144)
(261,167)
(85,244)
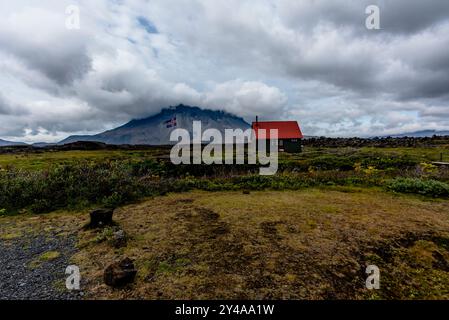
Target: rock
(119,239)
(120,273)
(100,218)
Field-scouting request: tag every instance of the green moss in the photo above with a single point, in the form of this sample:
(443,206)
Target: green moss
(44,257)
(49,255)
(172,266)
(11,236)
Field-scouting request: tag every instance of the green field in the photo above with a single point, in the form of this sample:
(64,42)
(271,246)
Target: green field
(44,160)
(45,181)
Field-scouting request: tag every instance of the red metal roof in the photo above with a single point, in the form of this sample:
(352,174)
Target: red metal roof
(286,129)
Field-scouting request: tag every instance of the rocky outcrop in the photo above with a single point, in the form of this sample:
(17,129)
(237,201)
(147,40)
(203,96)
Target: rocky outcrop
(120,273)
(100,218)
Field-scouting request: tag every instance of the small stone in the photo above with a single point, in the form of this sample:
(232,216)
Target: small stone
(119,239)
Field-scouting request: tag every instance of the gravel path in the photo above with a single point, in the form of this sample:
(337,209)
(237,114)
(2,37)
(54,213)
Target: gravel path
(24,277)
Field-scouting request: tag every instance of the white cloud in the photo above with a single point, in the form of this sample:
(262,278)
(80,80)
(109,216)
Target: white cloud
(247,99)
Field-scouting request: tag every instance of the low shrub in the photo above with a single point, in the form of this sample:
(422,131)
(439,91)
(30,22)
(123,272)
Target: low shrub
(114,183)
(431,188)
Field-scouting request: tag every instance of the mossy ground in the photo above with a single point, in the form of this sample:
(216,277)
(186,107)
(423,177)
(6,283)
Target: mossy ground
(309,244)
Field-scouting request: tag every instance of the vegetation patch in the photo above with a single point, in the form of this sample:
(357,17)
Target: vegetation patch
(82,179)
(413,267)
(306,244)
(430,188)
(49,255)
(312,243)
(44,257)
(10,236)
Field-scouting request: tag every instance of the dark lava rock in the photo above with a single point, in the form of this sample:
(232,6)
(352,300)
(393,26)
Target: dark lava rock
(120,273)
(100,218)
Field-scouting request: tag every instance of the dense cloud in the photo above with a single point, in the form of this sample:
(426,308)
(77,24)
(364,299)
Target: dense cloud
(32,36)
(397,16)
(313,61)
(8,108)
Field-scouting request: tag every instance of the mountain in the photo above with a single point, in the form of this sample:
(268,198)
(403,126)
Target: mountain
(153,130)
(421,134)
(4,143)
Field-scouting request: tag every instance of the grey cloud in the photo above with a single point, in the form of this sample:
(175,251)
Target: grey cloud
(411,16)
(4,107)
(328,41)
(313,61)
(39,38)
(9,108)
(397,16)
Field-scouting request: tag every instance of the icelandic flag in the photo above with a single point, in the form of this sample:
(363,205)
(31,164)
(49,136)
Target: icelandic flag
(170,123)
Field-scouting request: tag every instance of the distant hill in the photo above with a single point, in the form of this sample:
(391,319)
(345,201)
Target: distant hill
(43,144)
(421,134)
(4,143)
(155,131)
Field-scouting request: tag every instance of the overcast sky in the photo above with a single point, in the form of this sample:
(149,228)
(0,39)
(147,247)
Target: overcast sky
(308,60)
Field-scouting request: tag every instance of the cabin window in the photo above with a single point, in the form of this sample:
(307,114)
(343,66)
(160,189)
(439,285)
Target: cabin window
(281,143)
(294,140)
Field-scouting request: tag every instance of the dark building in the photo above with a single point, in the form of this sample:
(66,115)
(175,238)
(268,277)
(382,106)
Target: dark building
(289,134)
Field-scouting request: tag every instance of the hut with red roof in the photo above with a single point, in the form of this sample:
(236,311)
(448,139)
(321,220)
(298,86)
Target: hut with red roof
(289,134)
